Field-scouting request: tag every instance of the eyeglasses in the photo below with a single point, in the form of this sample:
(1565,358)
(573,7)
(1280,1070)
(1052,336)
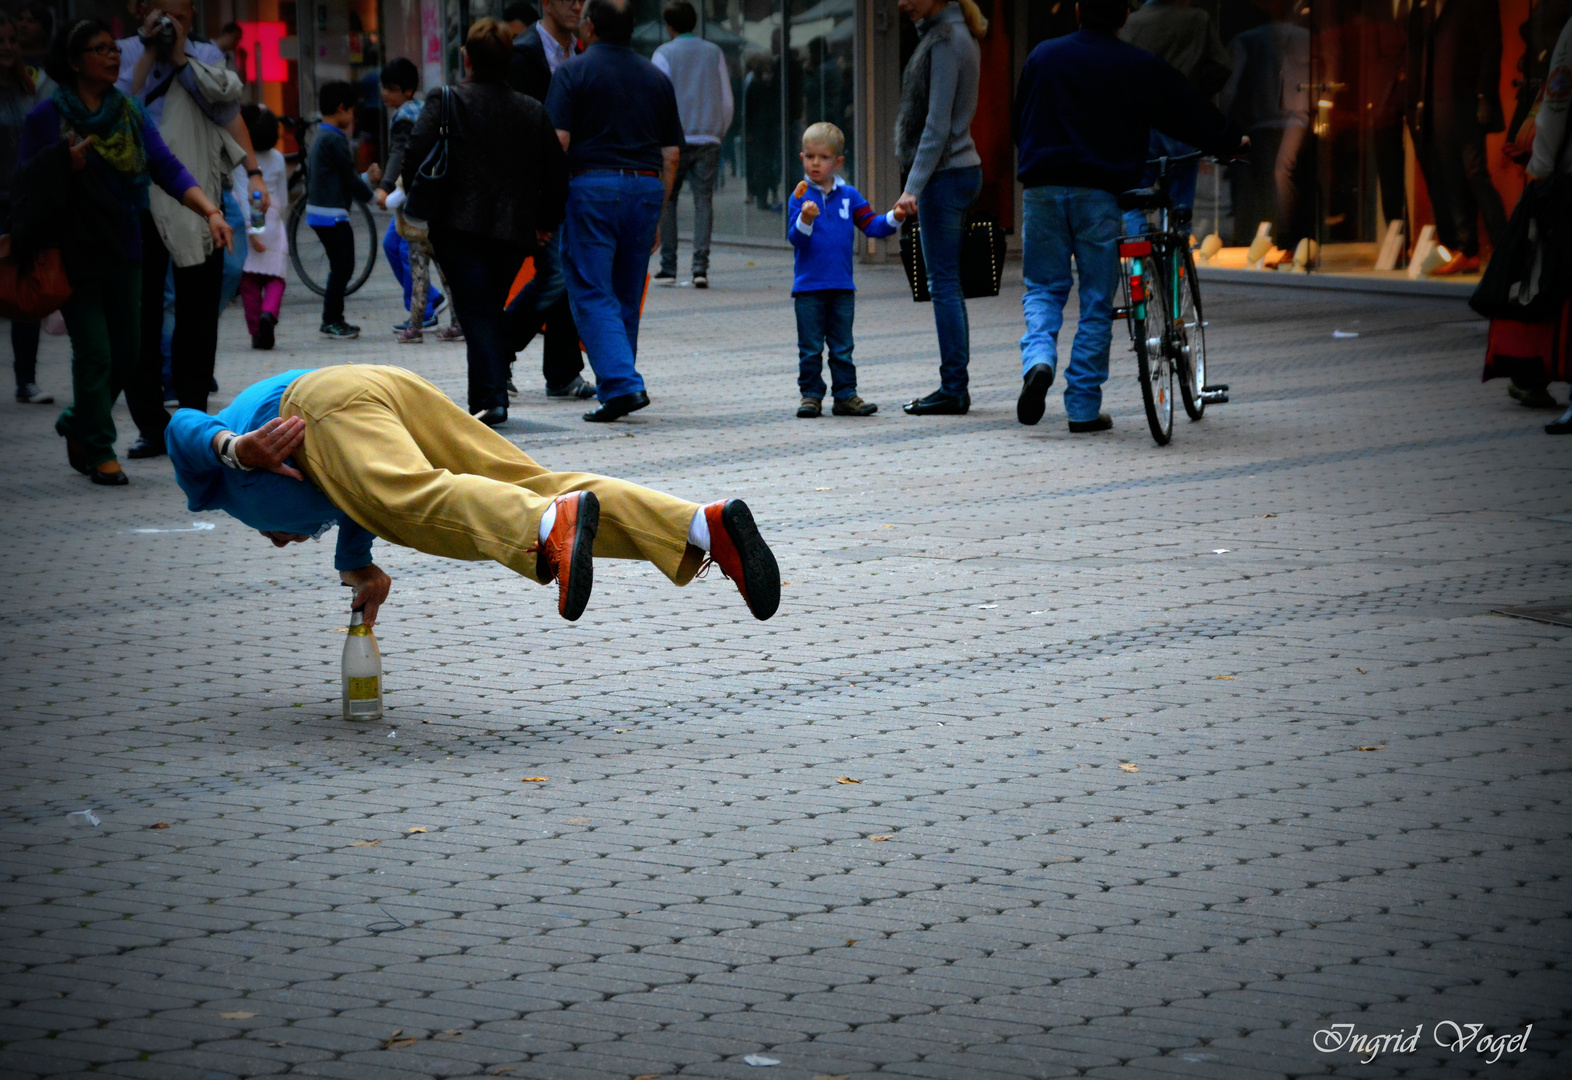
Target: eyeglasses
(111,49)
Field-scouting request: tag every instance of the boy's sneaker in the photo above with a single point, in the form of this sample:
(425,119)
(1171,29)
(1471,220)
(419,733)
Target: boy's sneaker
(341,330)
(32,395)
(701,281)
(407,336)
(665,277)
(854,406)
(263,338)
(811,408)
(451,332)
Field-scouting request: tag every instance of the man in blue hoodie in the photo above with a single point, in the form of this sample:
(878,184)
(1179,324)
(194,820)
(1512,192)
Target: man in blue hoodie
(1085,108)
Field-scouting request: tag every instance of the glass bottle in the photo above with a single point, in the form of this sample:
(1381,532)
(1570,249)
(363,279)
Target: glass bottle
(362,672)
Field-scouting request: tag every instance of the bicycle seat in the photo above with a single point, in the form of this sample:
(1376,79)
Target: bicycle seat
(1146,198)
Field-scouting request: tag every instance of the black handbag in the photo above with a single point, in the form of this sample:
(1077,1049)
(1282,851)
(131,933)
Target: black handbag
(426,189)
(1530,274)
(982,259)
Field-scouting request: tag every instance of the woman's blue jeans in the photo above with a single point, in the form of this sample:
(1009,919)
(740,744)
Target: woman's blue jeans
(941,209)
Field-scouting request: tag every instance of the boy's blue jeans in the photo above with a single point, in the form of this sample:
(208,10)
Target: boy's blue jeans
(396,248)
(824,317)
(606,240)
(1060,222)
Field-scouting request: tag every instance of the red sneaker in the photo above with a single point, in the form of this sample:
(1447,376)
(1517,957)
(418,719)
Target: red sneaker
(567,556)
(743,556)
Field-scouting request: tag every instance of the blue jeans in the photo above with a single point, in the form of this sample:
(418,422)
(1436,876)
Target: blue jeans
(236,263)
(480,270)
(941,208)
(1060,222)
(606,240)
(1181,180)
(824,316)
(396,248)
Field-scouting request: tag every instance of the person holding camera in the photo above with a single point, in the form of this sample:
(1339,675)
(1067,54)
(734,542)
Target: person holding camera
(183,85)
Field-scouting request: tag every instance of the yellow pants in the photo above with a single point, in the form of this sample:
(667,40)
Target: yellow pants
(394,453)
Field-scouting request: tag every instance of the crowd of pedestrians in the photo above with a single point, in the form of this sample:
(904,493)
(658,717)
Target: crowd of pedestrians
(562,154)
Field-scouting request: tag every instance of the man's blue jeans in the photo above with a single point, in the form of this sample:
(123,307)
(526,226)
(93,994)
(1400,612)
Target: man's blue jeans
(941,210)
(824,316)
(396,248)
(606,241)
(1181,180)
(1060,222)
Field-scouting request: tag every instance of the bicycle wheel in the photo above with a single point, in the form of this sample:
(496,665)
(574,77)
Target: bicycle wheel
(1190,338)
(309,257)
(1153,338)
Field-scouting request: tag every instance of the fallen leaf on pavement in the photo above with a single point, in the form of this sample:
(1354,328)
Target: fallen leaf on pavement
(448,1034)
(394,1042)
(533,779)
(159,825)
(760,1059)
(647,1076)
(846,780)
(851,941)
(1358,669)
(890,837)
(501,1070)
(578,821)
(236,1016)
(1381,747)
(1230,677)
(886,526)
(620,730)
(833,1076)
(815,489)
(365,843)
(1263,515)
(415,829)
(1127,767)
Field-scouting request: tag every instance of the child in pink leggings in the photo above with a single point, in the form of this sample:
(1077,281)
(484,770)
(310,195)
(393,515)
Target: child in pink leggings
(262,280)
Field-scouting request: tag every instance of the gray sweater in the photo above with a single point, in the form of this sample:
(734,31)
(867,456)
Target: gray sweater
(933,131)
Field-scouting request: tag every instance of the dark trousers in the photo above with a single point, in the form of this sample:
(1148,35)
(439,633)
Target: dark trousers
(824,317)
(1388,146)
(1457,172)
(24,352)
(339,242)
(194,345)
(480,270)
(545,300)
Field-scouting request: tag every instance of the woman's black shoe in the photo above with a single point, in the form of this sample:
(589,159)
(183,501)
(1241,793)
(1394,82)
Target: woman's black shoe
(263,339)
(115,477)
(493,416)
(939,403)
(144,448)
(618,407)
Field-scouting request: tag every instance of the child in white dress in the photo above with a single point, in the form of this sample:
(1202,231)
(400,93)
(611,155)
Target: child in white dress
(262,281)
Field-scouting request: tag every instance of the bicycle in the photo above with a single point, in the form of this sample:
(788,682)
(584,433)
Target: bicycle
(306,252)
(1163,307)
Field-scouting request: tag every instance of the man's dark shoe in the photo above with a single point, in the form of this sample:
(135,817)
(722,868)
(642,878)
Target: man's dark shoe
(513,391)
(810,408)
(340,330)
(701,280)
(1102,423)
(493,416)
(76,456)
(618,407)
(853,406)
(1033,402)
(145,448)
(578,389)
(743,556)
(109,474)
(264,335)
(665,277)
(939,403)
(567,556)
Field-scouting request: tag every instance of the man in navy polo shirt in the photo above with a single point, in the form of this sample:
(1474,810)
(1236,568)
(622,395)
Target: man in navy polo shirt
(616,115)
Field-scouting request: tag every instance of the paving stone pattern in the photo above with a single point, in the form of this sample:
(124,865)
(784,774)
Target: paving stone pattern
(1166,759)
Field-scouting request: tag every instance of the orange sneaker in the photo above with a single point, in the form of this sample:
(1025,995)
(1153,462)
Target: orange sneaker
(743,556)
(567,556)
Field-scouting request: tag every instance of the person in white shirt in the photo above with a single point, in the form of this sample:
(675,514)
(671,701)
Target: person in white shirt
(697,70)
(262,281)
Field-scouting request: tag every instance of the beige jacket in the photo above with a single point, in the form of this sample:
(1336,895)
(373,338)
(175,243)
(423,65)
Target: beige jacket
(207,150)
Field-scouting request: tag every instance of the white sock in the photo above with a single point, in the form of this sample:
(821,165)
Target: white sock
(547,520)
(699,530)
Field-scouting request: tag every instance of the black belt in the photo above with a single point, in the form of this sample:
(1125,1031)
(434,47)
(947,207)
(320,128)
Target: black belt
(619,172)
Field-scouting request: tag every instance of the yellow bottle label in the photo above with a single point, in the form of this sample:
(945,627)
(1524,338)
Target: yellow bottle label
(361,630)
(364,689)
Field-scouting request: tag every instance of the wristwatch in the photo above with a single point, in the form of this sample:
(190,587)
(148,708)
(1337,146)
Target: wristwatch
(226,454)
(253,172)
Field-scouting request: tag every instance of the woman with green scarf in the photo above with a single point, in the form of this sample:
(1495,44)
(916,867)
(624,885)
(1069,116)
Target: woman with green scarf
(90,155)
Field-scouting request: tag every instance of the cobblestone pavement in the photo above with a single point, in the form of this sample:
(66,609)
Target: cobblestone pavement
(1167,759)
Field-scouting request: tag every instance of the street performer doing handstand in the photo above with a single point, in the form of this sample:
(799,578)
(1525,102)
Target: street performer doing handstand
(379,451)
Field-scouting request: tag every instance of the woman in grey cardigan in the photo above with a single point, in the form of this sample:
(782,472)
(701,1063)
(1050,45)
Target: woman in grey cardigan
(933,142)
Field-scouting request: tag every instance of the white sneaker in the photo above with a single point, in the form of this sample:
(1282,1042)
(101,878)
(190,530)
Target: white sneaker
(32,395)
(701,281)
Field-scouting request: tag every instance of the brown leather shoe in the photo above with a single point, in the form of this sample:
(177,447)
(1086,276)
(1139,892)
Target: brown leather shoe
(567,556)
(743,556)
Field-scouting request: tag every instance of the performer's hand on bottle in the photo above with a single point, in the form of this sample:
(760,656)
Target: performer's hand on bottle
(270,446)
(371,587)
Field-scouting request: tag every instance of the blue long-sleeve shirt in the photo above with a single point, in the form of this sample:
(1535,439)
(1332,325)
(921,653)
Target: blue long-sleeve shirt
(823,249)
(1086,105)
(263,500)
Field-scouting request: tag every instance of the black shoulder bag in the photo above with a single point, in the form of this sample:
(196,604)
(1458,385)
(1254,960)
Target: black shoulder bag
(427,189)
